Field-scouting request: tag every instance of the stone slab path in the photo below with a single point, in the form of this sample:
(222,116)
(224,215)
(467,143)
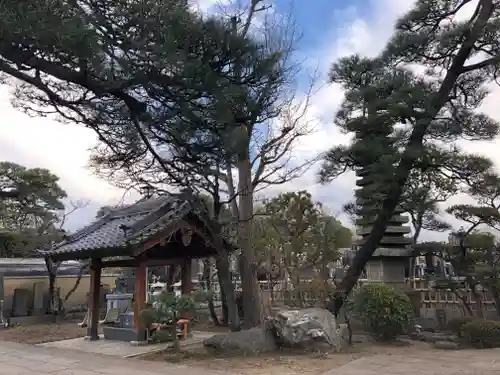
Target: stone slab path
(442,362)
(19,359)
(120,348)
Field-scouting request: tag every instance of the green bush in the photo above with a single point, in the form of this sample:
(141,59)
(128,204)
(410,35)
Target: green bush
(384,311)
(455,325)
(481,333)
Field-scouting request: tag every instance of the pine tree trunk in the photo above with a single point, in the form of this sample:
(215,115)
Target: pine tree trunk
(252,308)
(227,286)
(52,271)
(223,299)
(207,266)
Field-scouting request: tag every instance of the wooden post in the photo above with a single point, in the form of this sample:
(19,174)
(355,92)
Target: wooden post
(140,298)
(186,280)
(94,299)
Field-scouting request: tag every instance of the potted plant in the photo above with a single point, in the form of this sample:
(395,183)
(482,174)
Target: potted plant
(165,312)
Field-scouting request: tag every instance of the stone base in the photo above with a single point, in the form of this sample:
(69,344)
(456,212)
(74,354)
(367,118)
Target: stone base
(88,338)
(387,270)
(138,343)
(123,334)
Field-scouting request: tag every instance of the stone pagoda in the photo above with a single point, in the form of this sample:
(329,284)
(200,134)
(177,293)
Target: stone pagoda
(390,260)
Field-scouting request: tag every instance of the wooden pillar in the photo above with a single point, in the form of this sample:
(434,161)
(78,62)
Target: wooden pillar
(186,280)
(139,298)
(94,299)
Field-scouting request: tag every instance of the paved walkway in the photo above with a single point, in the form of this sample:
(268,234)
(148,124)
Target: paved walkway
(443,362)
(19,359)
(120,348)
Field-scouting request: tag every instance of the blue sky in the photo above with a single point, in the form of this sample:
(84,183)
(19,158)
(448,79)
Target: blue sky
(314,18)
(330,28)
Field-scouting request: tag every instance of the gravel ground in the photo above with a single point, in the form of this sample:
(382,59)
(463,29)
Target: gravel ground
(285,362)
(40,333)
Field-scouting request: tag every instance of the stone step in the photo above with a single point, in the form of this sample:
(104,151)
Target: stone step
(396,219)
(391,241)
(390,229)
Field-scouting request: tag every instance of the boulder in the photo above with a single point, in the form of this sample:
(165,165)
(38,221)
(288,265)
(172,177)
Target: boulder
(432,336)
(447,345)
(312,328)
(427,324)
(252,341)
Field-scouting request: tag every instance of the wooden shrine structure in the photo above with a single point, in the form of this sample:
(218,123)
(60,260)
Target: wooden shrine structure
(171,229)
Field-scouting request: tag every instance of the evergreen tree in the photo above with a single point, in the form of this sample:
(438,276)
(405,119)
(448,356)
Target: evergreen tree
(406,121)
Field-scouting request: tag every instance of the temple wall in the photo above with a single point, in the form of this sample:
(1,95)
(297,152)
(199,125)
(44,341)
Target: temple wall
(65,283)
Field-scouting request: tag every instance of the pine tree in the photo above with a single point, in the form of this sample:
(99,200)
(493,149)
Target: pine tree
(415,119)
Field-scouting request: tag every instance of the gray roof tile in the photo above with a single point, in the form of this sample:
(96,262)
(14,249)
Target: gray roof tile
(123,227)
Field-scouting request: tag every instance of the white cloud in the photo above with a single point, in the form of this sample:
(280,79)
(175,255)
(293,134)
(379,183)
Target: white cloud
(367,36)
(64,148)
(61,148)
(352,34)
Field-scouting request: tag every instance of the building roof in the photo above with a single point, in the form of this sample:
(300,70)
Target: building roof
(120,230)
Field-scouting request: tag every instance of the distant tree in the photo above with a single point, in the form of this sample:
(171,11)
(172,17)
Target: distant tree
(28,220)
(477,253)
(296,231)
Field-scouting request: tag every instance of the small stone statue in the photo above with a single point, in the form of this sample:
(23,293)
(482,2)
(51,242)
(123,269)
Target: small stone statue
(125,283)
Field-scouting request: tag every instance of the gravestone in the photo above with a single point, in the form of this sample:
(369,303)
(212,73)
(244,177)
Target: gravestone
(1,288)
(441,318)
(39,291)
(21,302)
(2,297)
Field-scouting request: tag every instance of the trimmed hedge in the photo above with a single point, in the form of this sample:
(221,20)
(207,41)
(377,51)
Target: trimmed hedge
(455,325)
(384,311)
(481,333)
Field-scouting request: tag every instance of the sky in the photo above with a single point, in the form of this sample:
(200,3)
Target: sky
(330,29)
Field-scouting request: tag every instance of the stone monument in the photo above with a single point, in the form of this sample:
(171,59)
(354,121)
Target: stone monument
(123,294)
(125,283)
(390,260)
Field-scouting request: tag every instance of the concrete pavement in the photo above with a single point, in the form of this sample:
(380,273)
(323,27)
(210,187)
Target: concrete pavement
(20,359)
(432,362)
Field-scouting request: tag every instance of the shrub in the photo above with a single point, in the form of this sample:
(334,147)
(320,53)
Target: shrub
(384,311)
(481,333)
(455,325)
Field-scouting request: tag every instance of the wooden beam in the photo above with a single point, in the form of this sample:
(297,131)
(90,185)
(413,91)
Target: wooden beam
(140,298)
(186,277)
(94,299)
(160,236)
(136,262)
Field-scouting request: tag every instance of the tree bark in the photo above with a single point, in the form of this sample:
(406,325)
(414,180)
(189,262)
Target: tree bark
(223,298)
(465,303)
(479,302)
(252,308)
(227,286)
(207,266)
(52,271)
(74,288)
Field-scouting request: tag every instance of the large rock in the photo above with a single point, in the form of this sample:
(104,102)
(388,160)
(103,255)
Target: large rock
(427,324)
(447,345)
(432,336)
(252,341)
(313,328)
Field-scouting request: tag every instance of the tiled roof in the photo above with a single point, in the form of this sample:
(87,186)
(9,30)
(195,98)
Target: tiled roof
(120,229)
